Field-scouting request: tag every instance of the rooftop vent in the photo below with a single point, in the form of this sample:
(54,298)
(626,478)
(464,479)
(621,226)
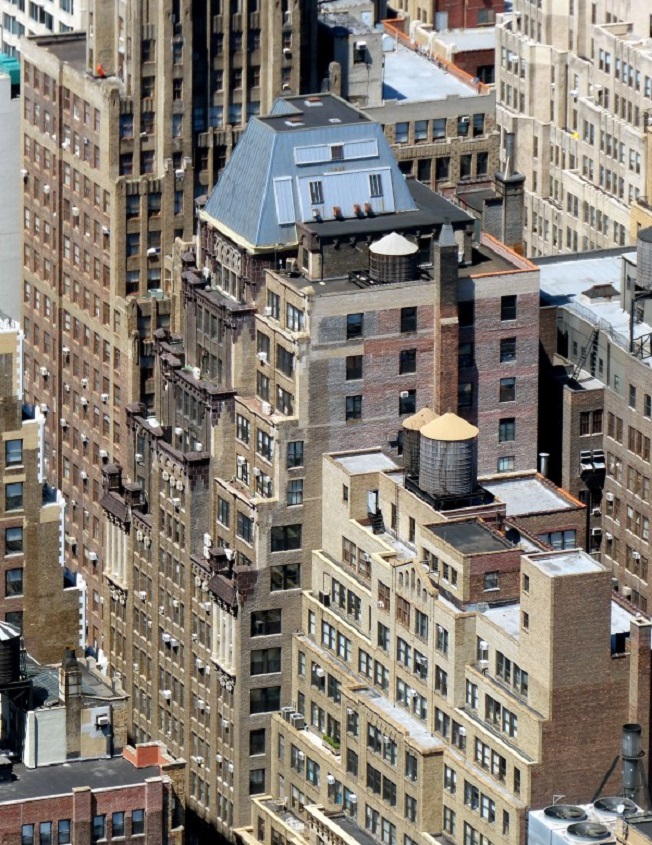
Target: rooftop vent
(616,805)
(588,831)
(565,812)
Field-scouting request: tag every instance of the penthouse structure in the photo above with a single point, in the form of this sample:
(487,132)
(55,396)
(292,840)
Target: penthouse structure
(435,683)
(123,126)
(315,312)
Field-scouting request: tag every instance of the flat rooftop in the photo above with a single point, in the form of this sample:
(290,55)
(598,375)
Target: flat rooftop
(412,77)
(364,462)
(350,827)
(470,538)
(523,496)
(311,112)
(63,778)
(507,617)
(69,48)
(463,40)
(565,279)
(571,562)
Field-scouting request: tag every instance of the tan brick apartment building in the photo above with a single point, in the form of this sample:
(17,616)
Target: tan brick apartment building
(438,674)
(35,595)
(274,368)
(122,127)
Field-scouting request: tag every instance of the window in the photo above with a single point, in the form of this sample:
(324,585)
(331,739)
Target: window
(632,396)
(402,132)
(465,394)
(264,700)
(408,361)
(137,822)
(408,320)
(265,661)
(407,402)
(265,622)
(295,453)
(508,307)
(506,463)
(295,492)
(118,824)
(354,326)
(63,831)
(14,496)
(507,430)
(286,577)
(316,193)
(353,367)
(223,511)
(375,184)
(245,527)
(99,828)
(13,582)
(491,581)
(13,452)
(294,318)
(285,359)
(507,390)
(353,408)
(256,781)
(45,833)
(14,541)
(410,808)
(312,772)
(507,349)
(27,834)
(286,538)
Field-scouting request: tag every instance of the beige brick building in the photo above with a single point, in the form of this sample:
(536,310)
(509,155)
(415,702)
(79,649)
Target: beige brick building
(123,126)
(438,673)
(36,593)
(574,85)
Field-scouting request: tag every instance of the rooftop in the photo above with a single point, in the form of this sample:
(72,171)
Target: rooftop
(68,48)
(463,40)
(412,77)
(63,778)
(528,495)
(507,617)
(310,112)
(349,826)
(360,463)
(565,280)
(469,538)
(570,562)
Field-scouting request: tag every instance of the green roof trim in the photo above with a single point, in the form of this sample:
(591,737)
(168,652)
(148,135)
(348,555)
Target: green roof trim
(11,66)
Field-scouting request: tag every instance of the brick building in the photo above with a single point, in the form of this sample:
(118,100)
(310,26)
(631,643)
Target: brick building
(316,311)
(449,14)
(438,671)
(134,798)
(596,383)
(37,594)
(123,126)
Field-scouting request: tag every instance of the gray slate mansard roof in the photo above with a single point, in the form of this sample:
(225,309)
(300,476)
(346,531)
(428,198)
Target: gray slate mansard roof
(247,201)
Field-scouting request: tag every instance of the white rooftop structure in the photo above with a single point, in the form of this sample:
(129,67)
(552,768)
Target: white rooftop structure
(564,282)
(528,495)
(359,463)
(464,40)
(568,562)
(412,77)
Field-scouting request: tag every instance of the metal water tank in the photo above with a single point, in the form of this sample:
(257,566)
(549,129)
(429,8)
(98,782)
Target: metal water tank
(411,428)
(393,259)
(644,258)
(448,457)
(9,653)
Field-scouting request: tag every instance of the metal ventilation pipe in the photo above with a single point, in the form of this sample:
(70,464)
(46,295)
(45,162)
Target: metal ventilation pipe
(631,754)
(509,154)
(544,459)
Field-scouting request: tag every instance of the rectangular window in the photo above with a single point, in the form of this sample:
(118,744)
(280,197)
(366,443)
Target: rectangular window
(14,541)
(13,582)
(63,832)
(137,822)
(265,622)
(265,661)
(408,320)
(118,824)
(353,408)
(99,828)
(508,307)
(316,193)
(507,390)
(286,577)
(295,492)
(354,326)
(407,403)
(353,367)
(375,184)
(506,463)
(407,361)
(13,452)
(27,834)
(286,538)
(295,453)
(507,430)
(264,700)
(507,349)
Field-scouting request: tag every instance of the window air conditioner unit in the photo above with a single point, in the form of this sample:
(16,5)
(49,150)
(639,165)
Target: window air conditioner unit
(330,780)
(241,460)
(63,423)
(596,532)
(262,356)
(103,721)
(104,397)
(44,372)
(83,475)
(627,592)
(65,350)
(84,382)
(166,637)
(142,595)
(83,401)
(104,454)
(609,497)
(44,407)
(636,555)
(267,311)
(92,555)
(608,535)
(166,694)
(178,431)
(75,211)
(139,458)
(106,231)
(404,394)
(319,672)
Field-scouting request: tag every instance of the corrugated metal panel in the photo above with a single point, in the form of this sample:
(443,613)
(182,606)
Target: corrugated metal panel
(344,190)
(361,149)
(311,155)
(284,196)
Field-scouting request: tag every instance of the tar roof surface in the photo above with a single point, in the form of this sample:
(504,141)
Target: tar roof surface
(71,49)
(527,495)
(351,828)
(313,111)
(366,462)
(412,77)
(470,538)
(63,778)
(571,562)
